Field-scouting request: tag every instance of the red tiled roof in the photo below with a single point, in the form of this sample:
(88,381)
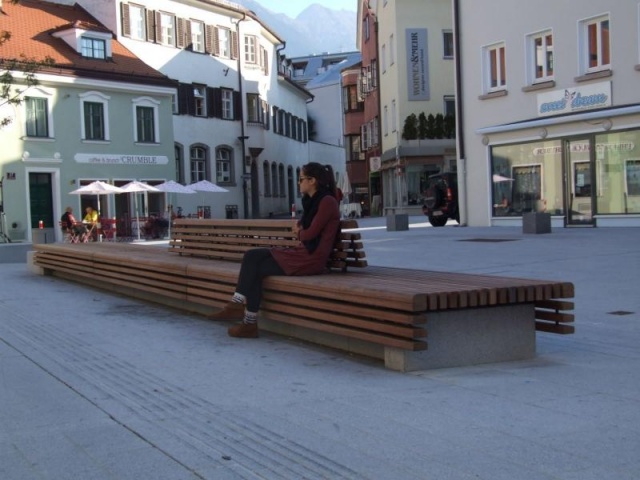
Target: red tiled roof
(32,23)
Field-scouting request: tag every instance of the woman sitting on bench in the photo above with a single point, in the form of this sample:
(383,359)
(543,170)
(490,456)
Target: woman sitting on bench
(316,230)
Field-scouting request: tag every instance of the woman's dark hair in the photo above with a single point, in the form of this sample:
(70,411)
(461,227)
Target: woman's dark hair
(323,174)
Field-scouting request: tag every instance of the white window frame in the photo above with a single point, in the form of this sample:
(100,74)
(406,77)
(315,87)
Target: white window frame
(227,103)
(383,57)
(167,29)
(200,100)
(197,36)
(39,92)
(137,22)
(95,97)
(89,51)
(254,108)
(446,35)
(146,102)
(250,46)
(224,42)
(449,100)
(386,120)
(538,56)
(494,59)
(224,166)
(584,47)
(394,120)
(197,163)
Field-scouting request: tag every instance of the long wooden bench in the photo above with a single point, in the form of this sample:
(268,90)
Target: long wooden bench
(411,319)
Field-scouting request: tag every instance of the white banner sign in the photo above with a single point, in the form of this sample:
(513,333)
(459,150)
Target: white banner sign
(107,159)
(575,99)
(417,64)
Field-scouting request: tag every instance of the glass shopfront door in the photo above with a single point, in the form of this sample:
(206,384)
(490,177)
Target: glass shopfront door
(579,154)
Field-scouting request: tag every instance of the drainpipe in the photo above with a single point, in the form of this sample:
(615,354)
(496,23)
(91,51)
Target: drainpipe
(463,202)
(242,137)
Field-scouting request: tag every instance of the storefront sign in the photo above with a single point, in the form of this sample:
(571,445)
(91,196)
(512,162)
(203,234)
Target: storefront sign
(417,64)
(585,147)
(374,164)
(105,159)
(576,99)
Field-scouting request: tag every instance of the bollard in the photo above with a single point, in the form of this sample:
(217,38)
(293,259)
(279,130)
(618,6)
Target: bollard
(40,224)
(293,210)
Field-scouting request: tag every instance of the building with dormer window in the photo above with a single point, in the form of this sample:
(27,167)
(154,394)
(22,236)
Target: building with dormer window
(98,113)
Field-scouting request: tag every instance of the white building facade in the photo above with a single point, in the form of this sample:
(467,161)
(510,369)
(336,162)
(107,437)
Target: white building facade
(550,111)
(237,121)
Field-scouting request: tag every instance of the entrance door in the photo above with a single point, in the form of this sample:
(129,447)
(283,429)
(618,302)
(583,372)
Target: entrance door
(580,181)
(41,199)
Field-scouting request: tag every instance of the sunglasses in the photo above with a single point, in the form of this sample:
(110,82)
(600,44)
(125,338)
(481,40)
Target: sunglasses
(301,179)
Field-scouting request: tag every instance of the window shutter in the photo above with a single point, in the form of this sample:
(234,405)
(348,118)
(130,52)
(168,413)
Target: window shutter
(237,106)
(186,99)
(213,105)
(234,45)
(266,61)
(151,25)
(182,40)
(158,25)
(209,32)
(216,41)
(126,19)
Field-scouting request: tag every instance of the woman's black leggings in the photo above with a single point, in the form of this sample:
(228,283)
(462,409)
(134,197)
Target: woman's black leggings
(256,264)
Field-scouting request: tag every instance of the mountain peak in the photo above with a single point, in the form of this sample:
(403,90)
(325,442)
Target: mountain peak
(316,29)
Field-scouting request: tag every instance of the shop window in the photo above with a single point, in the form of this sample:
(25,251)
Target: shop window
(527,178)
(617,169)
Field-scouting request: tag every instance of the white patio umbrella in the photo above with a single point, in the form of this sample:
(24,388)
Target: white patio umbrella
(173,187)
(97,188)
(345,186)
(499,178)
(136,187)
(206,186)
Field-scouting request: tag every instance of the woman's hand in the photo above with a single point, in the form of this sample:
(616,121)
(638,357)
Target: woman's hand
(296,229)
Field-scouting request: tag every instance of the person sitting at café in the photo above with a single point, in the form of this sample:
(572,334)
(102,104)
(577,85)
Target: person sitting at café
(70,224)
(91,220)
(155,227)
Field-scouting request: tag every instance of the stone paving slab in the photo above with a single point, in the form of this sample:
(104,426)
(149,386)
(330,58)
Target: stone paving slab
(104,387)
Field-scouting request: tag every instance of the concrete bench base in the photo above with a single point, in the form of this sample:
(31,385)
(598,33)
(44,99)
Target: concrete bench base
(456,338)
(460,337)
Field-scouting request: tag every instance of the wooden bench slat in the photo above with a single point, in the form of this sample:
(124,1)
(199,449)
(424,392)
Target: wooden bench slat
(561,329)
(386,306)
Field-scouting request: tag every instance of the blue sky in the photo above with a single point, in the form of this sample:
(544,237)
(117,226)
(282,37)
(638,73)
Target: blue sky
(293,7)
